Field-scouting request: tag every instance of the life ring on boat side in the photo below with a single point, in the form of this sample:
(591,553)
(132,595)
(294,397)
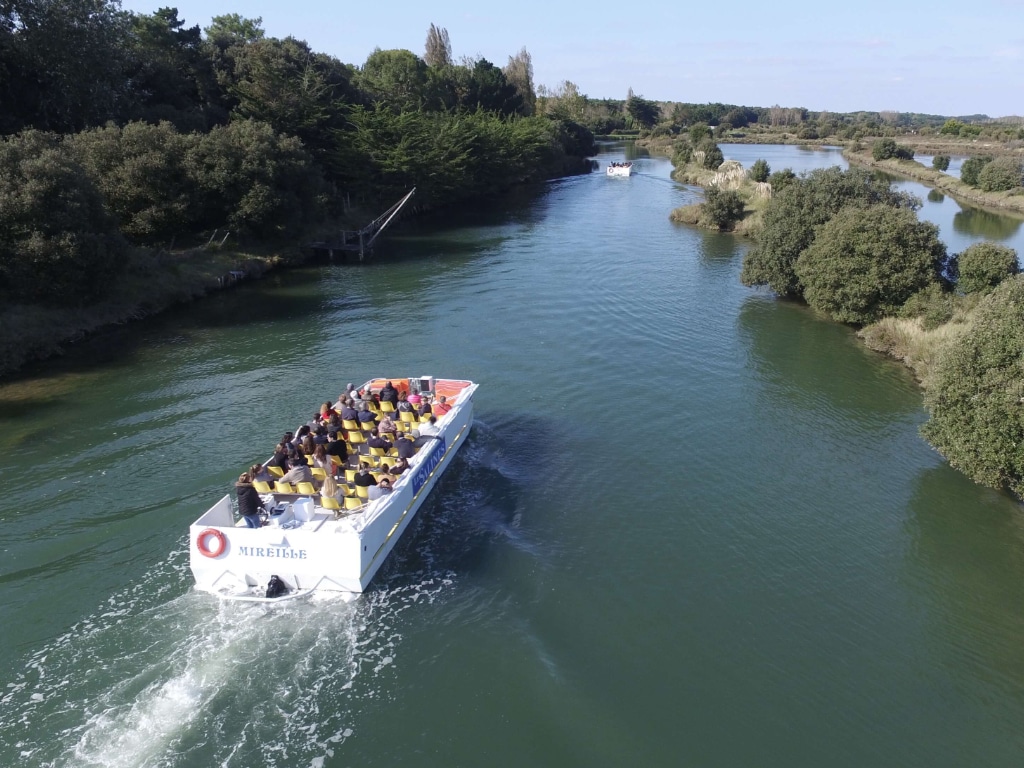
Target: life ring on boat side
(219,547)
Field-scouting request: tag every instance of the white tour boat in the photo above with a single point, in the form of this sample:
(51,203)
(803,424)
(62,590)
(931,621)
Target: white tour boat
(311,548)
(620,169)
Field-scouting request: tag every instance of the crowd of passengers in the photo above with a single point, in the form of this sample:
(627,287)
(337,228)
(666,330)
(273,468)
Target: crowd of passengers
(324,443)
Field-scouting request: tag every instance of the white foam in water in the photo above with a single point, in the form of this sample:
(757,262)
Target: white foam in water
(153,681)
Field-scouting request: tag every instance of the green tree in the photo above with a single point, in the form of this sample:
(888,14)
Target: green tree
(644,113)
(796,210)
(760,170)
(140,171)
(519,74)
(971,169)
(58,245)
(721,208)
(867,261)
(951,127)
(983,266)
(780,179)
(699,132)
(940,162)
(64,63)
(713,156)
(975,393)
(232,28)
(397,78)
(1001,175)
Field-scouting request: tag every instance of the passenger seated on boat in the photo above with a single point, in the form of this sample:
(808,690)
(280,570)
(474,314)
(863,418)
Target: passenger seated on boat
(249,502)
(400,465)
(376,441)
(299,472)
(406,448)
(326,411)
(260,473)
(429,428)
(385,472)
(308,446)
(387,426)
(280,457)
(349,412)
(363,477)
(303,431)
(320,435)
(337,447)
(441,407)
(333,426)
(424,408)
(389,394)
(382,488)
(330,489)
(366,416)
(404,405)
(322,459)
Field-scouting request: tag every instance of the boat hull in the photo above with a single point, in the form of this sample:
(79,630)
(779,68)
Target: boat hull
(316,552)
(619,170)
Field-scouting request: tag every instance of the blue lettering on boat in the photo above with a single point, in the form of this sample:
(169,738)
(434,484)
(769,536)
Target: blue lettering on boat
(286,553)
(428,465)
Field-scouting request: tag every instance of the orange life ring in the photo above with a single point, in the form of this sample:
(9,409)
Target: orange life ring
(221,545)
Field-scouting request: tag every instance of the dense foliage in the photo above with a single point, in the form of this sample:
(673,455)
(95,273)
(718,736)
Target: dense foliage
(721,208)
(940,162)
(168,131)
(797,210)
(976,393)
(971,169)
(760,170)
(866,261)
(983,266)
(1001,175)
(885,149)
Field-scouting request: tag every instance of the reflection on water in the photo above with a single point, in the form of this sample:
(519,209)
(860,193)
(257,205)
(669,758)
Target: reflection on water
(934,196)
(978,222)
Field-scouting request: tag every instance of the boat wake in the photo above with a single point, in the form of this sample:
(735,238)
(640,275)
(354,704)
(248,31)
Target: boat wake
(194,680)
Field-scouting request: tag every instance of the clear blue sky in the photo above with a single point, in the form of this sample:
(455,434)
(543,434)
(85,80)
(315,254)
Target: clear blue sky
(946,57)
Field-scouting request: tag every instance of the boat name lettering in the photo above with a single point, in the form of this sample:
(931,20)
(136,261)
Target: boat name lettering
(282,552)
(428,465)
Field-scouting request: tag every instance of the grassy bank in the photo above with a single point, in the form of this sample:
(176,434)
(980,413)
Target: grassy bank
(730,177)
(950,185)
(149,283)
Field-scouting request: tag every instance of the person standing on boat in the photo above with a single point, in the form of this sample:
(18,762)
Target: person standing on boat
(249,502)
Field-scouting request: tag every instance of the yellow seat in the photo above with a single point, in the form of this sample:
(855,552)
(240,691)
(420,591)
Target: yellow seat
(363,492)
(350,425)
(352,502)
(319,474)
(281,487)
(350,475)
(310,460)
(304,487)
(329,502)
(355,437)
(378,451)
(261,487)
(276,471)
(408,417)
(426,417)
(386,406)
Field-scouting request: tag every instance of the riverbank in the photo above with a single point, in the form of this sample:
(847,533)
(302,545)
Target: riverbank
(149,283)
(950,185)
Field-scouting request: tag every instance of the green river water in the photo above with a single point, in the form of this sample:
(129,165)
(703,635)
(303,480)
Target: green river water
(693,526)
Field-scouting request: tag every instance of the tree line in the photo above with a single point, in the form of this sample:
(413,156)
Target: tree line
(123,129)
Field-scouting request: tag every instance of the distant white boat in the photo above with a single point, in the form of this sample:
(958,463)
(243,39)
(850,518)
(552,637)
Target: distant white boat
(620,169)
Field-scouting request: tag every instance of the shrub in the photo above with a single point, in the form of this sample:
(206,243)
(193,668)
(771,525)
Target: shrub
(885,149)
(760,170)
(793,213)
(683,153)
(713,156)
(984,265)
(722,208)
(934,305)
(58,244)
(1001,175)
(867,261)
(699,132)
(977,388)
(781,179)
(971,169)
(940,162)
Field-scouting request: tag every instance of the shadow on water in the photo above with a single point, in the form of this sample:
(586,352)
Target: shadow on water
(808,358)
(475,507)
(715,249)
(934,196)
(969,567)
(978,222)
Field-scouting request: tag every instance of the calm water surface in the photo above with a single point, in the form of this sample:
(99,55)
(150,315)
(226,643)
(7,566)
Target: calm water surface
(693,525)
